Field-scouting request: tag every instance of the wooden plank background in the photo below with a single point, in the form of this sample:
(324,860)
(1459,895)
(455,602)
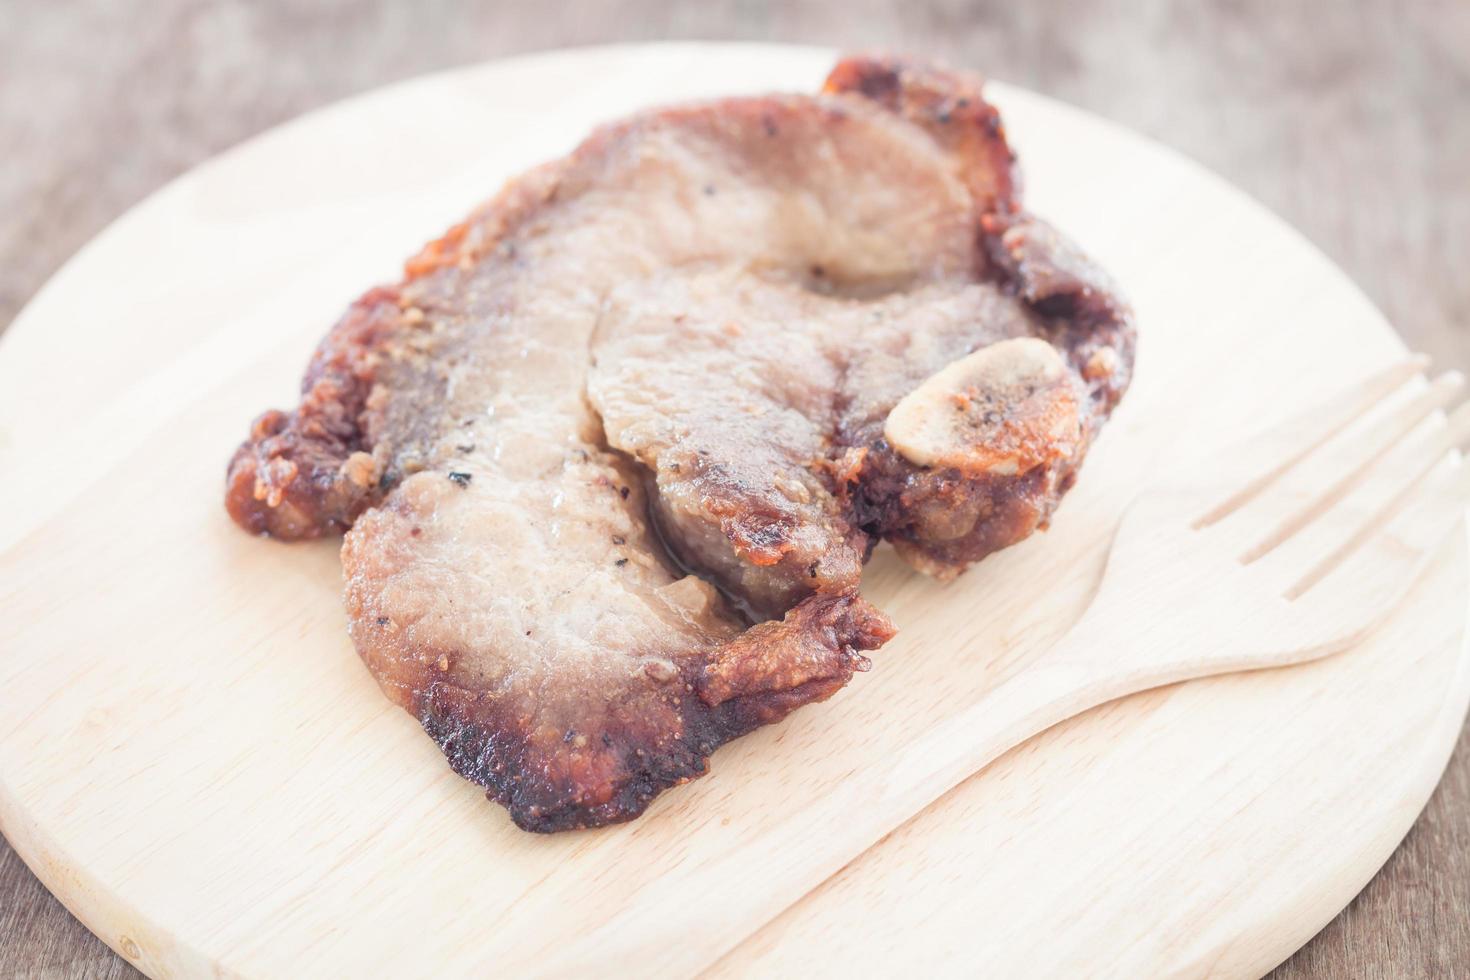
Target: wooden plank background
(1350,119)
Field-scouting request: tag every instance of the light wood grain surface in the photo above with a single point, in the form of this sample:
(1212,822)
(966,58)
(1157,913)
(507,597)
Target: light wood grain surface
(1351,122)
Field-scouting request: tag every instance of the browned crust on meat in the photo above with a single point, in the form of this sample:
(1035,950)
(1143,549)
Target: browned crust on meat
(657,733)
(304,474)
(311,472)
(815,644)
(950,107)
(944,519)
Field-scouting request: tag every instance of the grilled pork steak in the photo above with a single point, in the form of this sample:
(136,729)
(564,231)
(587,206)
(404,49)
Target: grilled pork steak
(675,384)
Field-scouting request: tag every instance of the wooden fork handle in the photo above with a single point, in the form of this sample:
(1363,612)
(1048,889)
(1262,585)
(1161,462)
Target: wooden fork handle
(817,841)
(1058,686)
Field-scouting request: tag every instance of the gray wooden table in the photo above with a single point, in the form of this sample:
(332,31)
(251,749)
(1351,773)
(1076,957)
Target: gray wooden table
(1352,120)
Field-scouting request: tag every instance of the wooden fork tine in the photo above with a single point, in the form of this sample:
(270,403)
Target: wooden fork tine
(1380,559)
(1288,443)
(1322,479)
(1382,492)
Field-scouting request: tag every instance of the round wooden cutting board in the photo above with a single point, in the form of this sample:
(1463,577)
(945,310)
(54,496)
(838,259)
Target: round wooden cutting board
(193,759)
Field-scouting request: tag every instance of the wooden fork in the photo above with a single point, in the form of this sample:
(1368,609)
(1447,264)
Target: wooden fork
(1336,515)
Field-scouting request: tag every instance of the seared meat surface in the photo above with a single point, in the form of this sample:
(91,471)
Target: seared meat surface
(675,384)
